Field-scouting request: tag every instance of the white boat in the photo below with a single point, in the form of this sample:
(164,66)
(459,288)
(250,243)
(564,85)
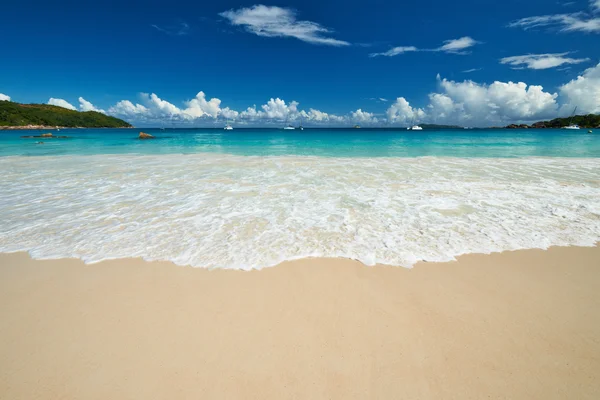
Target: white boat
(571,125)
(289,127)
(228,127)
(414,127)
(300,127)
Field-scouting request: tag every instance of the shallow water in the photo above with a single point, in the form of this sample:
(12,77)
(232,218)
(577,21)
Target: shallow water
(240,211)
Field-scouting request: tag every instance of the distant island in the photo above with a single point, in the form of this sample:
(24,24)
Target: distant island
(584,121)
(437,126)
(43,116)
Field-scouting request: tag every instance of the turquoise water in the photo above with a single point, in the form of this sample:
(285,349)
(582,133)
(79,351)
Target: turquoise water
(313,142)
(252,198)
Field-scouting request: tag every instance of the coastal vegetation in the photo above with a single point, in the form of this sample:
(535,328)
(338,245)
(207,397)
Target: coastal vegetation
(44,115)
(584,121)
(437,126)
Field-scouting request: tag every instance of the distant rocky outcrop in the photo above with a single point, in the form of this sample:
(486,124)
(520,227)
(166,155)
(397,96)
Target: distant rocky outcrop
(145,136)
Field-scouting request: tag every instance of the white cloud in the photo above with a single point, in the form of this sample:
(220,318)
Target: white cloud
(466,71)
(565,22)
(271,21)
(250,113)
(363,116)
(200,107)
(154,108)
(457,45)
(85,105)
(316,115)
(394,51)
(61,103)
(158,106)
(583,92)
(500,101)
(466,103)
(542,61)
(443,109)
(126,108)
(401,112)
(229,113)
(4,97)
(474,104)
(276,108)
(574,22)
(454,46)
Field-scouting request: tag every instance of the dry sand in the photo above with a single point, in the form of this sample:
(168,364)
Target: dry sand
(516,325)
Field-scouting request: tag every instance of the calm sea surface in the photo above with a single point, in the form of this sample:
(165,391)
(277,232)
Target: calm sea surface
(314,142)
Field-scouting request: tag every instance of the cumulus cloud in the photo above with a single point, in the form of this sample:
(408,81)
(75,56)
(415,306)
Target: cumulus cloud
(126,108)
(85,105)
(272,21)
(155,108)
(363,116)
(320,117)
(401,112)
(583,92)
(542,61)
(454,46)
(470,103)
(276,109)
(466,103)
(4,97)
(61,103)
(500,101)
(200,107)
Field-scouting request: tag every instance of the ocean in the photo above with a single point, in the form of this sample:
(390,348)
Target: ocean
(252,198)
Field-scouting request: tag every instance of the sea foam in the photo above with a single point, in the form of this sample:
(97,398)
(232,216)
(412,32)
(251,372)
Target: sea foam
(244,212)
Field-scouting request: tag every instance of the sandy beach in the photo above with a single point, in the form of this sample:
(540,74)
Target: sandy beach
(519,325)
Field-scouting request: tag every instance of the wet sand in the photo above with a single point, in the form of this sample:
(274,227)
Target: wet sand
(518,325)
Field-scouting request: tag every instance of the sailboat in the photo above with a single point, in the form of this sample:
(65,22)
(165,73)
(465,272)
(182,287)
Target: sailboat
(300,127)
(571,125)
(228,127)
(288,126)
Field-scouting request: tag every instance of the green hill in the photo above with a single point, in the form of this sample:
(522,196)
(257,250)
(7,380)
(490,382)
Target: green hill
(16,114)
(584,121)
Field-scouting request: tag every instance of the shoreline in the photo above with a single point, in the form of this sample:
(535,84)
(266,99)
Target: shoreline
(520,324)
(418,264)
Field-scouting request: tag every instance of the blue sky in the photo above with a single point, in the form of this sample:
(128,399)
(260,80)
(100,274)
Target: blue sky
(334,57)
